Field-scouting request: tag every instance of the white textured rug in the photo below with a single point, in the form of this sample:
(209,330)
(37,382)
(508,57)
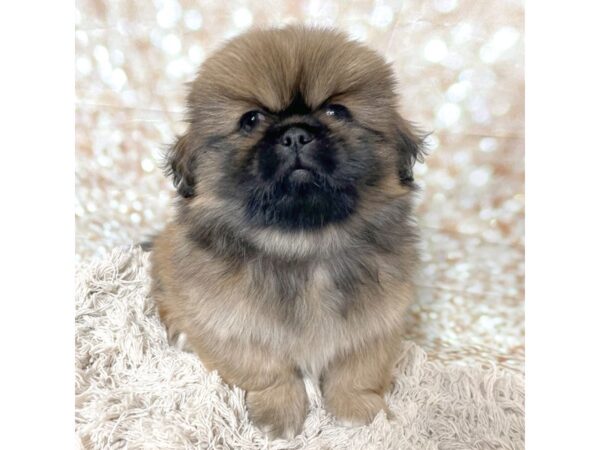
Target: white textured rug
(135,391)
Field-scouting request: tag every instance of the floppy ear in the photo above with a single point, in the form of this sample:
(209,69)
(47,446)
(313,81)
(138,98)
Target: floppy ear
(180,165)
(411,148)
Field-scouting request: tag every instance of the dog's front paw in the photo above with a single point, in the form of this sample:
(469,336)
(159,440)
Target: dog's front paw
(279,410)
(355,408)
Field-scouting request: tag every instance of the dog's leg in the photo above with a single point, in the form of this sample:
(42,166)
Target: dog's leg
(354,384)
(276,397)
(280,407)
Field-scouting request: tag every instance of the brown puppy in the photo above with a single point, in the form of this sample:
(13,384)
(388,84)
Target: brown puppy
(294,246)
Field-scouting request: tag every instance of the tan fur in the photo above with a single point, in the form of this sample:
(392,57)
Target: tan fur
(234,308)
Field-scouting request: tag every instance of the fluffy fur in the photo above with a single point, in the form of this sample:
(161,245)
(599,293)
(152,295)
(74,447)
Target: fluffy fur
(294,246)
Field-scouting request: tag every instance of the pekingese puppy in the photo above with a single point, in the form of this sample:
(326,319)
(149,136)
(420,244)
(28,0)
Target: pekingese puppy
(294,246)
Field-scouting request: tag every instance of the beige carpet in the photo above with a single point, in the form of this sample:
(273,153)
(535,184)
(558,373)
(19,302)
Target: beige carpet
(135,391)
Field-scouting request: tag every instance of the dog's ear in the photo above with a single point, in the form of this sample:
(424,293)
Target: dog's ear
(180,165)
(411,148)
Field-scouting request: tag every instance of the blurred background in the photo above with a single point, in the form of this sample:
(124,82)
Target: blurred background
(459,65)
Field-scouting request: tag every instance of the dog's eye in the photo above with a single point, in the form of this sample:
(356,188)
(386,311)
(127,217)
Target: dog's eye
(338,111)
(249,120)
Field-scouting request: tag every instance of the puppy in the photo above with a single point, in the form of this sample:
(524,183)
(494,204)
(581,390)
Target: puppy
(294,246)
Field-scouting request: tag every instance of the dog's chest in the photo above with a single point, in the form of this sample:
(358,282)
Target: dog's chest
(307,311)
(322,315)
(313,309)
(306,296)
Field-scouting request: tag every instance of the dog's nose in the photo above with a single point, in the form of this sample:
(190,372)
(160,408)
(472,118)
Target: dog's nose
(296,138)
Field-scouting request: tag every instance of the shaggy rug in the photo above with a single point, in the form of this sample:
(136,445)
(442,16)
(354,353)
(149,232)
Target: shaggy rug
(135,391)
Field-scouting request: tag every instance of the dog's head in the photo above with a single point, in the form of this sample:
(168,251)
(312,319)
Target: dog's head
(293,128)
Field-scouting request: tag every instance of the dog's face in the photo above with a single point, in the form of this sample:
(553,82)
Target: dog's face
(295,127)
(304,165)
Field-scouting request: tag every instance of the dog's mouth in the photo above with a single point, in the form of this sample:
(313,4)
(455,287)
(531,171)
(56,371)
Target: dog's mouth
(303,195)
(300,173)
